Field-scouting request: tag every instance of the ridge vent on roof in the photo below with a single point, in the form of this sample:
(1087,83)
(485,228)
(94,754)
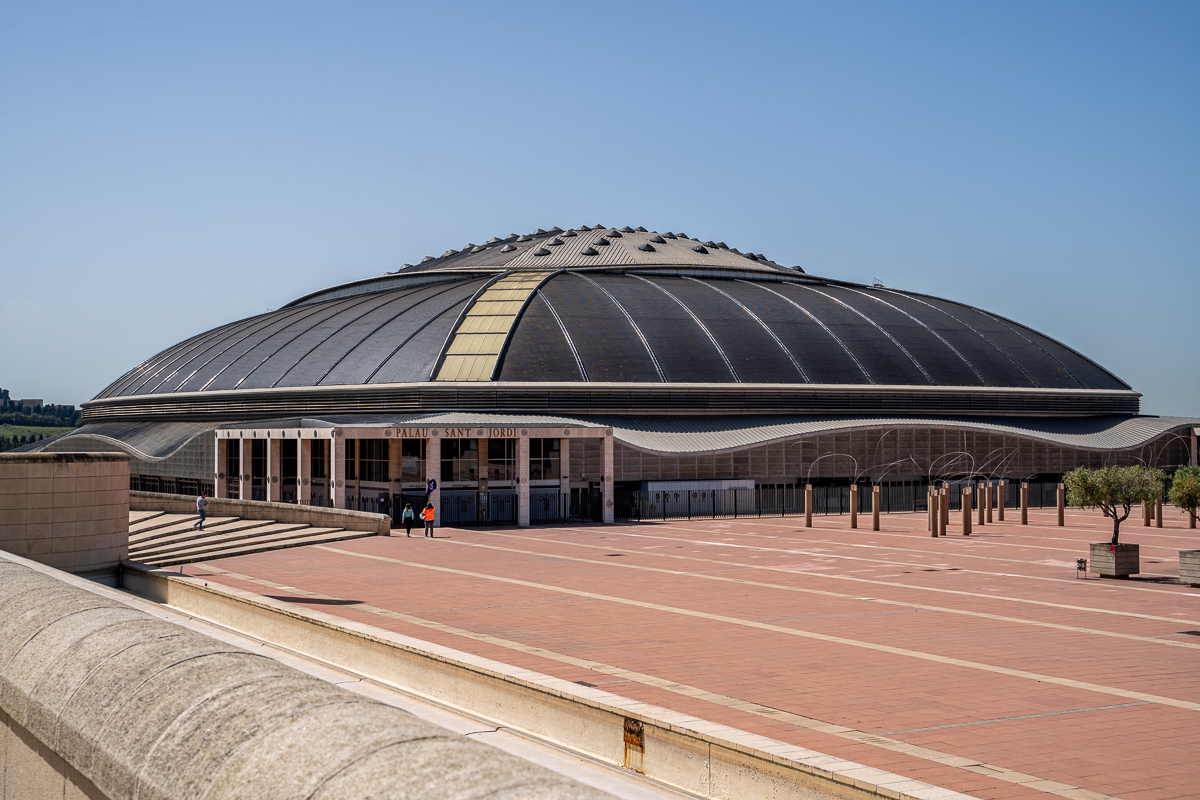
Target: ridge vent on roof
(628,229)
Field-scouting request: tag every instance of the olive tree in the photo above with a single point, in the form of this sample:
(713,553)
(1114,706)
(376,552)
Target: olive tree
(1114,490)
(1185,492)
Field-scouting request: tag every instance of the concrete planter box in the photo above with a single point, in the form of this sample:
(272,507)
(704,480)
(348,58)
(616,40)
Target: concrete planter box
(1189,567)
(1119,564)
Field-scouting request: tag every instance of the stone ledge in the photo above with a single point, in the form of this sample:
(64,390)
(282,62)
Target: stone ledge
(144,708)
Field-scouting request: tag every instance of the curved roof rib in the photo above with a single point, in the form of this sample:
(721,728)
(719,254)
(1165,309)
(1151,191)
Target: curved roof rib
(971,328)
(814,318)
(164,359)
(271,321)
(566,336)
(632,324)
(698,322)
(878,327)
(278,349)
(757,319)
(941,338)
(381,326)
(1035,344)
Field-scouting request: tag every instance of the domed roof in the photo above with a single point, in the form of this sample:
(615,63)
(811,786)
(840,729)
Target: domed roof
(606,305)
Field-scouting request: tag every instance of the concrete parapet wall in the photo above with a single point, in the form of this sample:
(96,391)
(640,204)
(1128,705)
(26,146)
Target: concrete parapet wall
(317,516)
(99,700)
(66,510)
(705,758)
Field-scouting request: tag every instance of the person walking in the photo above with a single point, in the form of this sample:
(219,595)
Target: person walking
(427,515)
(201,506)
(407,518)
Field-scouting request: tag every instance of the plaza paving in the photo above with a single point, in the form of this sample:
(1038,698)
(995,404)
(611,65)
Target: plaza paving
(980,664)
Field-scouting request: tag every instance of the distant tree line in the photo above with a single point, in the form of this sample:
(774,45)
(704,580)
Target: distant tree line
(49,415)
(9,442)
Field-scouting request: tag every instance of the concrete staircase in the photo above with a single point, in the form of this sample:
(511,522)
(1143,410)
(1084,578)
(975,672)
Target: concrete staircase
(162,539)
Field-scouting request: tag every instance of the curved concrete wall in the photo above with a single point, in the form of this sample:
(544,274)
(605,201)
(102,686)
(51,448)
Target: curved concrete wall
(100,700)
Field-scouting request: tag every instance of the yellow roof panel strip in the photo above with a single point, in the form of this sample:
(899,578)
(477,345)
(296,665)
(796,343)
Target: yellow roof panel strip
(479,339)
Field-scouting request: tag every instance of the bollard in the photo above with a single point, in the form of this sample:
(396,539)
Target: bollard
(945,515)
(930,511)
(875,507)
(853,506)
(987,501)
(1062,505)
(1000,501)
(808,505)
(966,510)
(1158,513)
(1145,515)
(1024,503)
(978,501)
(935,510)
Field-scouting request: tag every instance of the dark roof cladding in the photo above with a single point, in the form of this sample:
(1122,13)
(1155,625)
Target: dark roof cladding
(620,306)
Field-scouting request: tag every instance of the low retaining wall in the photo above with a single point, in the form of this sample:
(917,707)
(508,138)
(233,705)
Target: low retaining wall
(317,516)
(67,510)
(101,701)
(705,758)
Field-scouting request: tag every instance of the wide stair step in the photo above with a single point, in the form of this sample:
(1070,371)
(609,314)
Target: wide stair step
(309,536)
(188,541)
(183,532)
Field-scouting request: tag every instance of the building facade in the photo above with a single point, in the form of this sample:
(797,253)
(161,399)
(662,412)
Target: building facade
(564,366)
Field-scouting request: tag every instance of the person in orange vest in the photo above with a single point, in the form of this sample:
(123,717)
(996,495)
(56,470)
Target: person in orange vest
(427,515)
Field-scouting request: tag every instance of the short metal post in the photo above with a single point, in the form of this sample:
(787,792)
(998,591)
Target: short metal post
(1000,500)
(978,501)
(987,501)
(1158,513)
(945,515)
(966,510)
(875,507)
(1062,505)
(1145,515)
(808,505)
(853,506)
(1024,502)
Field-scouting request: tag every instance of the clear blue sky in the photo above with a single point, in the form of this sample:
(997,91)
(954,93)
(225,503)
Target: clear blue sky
(168,167)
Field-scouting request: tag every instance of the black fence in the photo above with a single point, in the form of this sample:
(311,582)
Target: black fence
(788,500)
(184,486)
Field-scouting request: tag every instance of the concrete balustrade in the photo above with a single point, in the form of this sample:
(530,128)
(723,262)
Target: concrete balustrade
(101,701)
(317,516)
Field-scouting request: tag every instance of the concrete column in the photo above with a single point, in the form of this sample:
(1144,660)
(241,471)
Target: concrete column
(523,481)
(987,501)
(219,477)
(244,455)
(1062,505)
(853,506)
(433,472)
(304,472)
(875,507)
(1000,500)
(358,474)
(564,472)
(395,467)
(808,505)
(1024,502)
(966,510)
(607,487)
(481,468)
(337,469)
(1158,513)
(274,484)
